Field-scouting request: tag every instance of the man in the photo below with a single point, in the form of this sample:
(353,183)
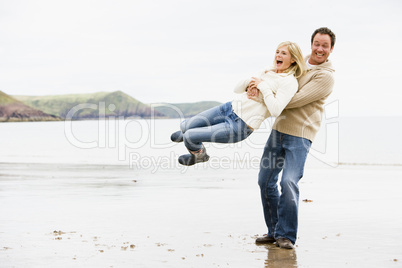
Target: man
(289,143)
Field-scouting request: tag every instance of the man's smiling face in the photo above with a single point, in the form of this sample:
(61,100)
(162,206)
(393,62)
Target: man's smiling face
(320,49)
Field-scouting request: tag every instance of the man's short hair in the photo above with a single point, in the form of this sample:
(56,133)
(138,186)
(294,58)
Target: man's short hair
(324,30)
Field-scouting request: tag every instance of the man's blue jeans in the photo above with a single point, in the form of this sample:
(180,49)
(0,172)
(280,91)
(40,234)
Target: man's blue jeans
(288,154)
(219,124)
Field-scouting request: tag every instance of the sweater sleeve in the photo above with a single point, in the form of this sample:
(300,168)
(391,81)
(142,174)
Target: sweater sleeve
(242,86)
(319,87)
(277,102)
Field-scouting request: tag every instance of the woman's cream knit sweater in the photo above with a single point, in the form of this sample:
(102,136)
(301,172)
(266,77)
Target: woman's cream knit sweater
(276,90)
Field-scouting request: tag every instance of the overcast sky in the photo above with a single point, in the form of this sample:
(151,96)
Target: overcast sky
(188,51)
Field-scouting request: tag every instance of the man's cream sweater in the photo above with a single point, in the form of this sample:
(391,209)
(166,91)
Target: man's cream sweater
(302,116)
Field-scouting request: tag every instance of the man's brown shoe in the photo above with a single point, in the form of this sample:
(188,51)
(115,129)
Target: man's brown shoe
(284,243)
(265,240)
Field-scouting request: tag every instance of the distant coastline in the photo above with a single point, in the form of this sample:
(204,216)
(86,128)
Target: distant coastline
(93,106)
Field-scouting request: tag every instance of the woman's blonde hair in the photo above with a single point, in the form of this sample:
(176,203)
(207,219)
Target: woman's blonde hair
(299,67)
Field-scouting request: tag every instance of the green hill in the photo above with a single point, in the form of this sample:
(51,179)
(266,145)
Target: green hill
(176,110)
(12,110)
(107,104)
(6,99)
(90,106)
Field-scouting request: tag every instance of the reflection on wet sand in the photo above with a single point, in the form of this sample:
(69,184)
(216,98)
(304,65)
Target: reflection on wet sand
(280,258)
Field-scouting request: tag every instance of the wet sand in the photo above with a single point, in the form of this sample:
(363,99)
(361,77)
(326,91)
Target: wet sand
(54,215)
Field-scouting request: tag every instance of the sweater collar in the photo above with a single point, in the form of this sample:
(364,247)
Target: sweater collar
(273,72)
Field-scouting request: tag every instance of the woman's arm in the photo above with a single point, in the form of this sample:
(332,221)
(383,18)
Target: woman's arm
(277,102)
(241,87)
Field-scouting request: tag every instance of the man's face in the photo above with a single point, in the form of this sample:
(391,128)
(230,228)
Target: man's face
(320,49)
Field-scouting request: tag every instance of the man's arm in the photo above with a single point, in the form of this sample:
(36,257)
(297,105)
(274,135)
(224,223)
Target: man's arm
(319,87)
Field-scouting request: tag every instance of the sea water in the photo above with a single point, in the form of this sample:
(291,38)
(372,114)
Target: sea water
(146,143)
(111,194)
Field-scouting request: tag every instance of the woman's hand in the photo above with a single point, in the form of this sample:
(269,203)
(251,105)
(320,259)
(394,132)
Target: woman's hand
(252,90)
(254,82)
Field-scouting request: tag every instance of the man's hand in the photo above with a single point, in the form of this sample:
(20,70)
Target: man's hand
(252,93)
(252,90)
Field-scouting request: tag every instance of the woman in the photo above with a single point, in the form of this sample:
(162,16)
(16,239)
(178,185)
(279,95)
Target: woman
(257,98)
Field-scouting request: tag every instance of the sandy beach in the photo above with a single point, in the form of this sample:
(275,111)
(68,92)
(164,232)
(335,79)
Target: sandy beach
(64,215)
